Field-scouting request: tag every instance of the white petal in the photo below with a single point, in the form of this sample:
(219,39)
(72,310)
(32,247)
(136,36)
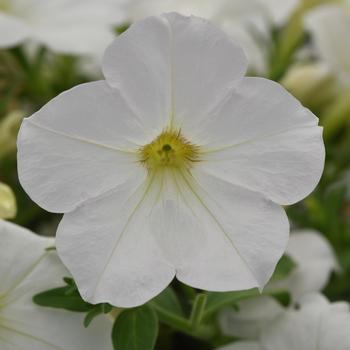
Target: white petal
(173,66)
(205,64)
(138,63)
(218,236)
(250,318)
(317,325)
(109,249)
(12,31)
(329,26)
(244,345)
(77,147)
(315,260)
(261,138)
(27,269)
(18,243)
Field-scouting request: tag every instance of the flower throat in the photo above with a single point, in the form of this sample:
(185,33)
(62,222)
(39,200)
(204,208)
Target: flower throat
(169,149)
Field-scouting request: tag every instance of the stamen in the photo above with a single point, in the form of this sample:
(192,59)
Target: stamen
(171,149)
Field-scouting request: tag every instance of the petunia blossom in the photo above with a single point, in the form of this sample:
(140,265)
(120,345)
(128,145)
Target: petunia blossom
(73,26)
(327,24)
(315,324)
(315,261)
(26,269)
(176,164)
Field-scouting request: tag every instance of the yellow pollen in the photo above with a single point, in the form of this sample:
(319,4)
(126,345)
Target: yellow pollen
(169,149)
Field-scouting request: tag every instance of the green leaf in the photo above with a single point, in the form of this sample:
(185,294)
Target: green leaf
(135,329)
(168,300)
(67,298)
(284,267)
(96,311)
(283,297)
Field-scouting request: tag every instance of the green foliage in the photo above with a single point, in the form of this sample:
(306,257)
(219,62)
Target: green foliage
(67,298)
(98,309)
(135,329)
(284,267)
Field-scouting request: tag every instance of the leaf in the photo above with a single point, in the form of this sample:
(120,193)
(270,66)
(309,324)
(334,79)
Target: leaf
(135,329)
(67,298)
(168,301)
(284,267)
(169,310)
(58,298)
(99,309)
(283,297)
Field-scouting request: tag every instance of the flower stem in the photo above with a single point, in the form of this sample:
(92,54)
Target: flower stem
(198,310)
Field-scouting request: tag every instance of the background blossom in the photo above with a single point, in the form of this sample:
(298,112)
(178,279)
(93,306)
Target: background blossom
(24,325)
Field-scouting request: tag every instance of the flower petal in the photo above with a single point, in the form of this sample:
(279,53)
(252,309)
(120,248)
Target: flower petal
(78,146)
(205,64)
(138,64)
(218,236)
(26,269)
(172,65)
(277,149)
(17,242)
(13,30)
(108,247)
(316,325)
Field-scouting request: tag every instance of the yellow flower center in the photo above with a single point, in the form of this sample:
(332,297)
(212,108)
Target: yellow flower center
(169,149)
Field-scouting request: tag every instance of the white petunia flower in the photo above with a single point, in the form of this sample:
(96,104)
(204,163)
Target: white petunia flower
(70,26)
(315,261)
(8,206)
(329,26)
(25,270)
(317,324)
(176,164)
(250,318)
(248,22)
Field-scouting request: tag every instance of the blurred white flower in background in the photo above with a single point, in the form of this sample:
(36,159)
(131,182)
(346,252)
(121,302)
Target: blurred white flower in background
(80,27)
(314,324)
(315,261)
(8,207)
(250,317)
(280,10)
(329,26)
(175,164)
(26,269)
